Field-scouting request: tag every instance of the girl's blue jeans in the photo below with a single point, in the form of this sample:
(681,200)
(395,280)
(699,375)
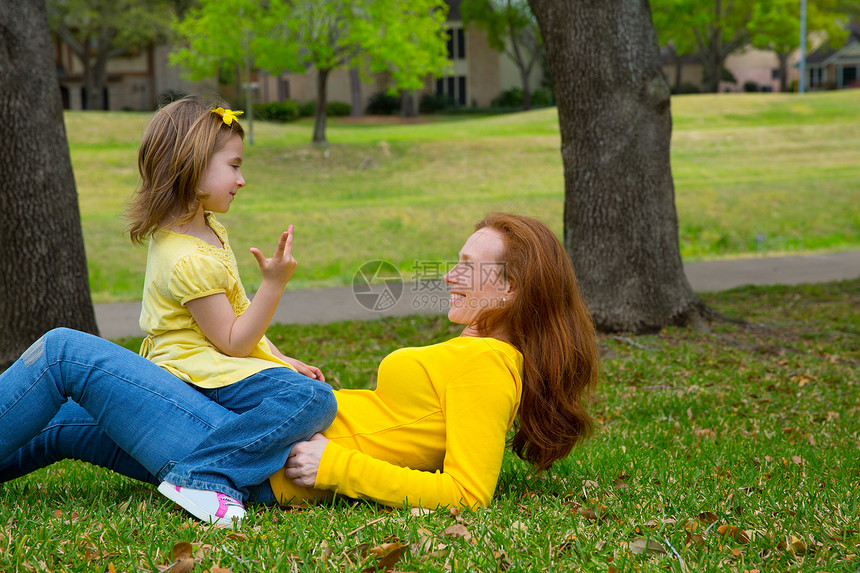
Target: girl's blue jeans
(134,417)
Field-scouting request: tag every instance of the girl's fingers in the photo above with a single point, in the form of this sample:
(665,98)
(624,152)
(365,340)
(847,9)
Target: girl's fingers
(289,244)
(261,260)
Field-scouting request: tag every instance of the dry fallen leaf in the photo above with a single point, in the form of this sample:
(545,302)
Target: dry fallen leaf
(694,538)
(642,545)
(734,532)
(797,546)
(389,554)
(182,550)
(706,433)
(183,566)
(458,530)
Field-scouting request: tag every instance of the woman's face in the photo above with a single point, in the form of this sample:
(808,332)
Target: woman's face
(477,281)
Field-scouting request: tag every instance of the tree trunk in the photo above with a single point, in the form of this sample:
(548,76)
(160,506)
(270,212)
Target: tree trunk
(95,95)
(356,105)
(712,72)
(322,100)
(713,57)
(524,69)
(783,71)
(88,102)
(100,75)
(407,104)
(527,92)
(620,224)
(43,283)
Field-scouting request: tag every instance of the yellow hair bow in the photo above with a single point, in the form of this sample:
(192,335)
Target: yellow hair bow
(228,115)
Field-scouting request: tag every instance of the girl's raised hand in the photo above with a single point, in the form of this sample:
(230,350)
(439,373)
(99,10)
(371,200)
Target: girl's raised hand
(282,265)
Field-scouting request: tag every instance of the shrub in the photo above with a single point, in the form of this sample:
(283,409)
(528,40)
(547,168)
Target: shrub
(307,109)
(509,98)
(751,86)
(274,111)
(543,97)
(383,103)
(337,109)
(687,88)
(513,98)
(432,103)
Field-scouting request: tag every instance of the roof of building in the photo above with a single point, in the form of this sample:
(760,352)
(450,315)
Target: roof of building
(825,54)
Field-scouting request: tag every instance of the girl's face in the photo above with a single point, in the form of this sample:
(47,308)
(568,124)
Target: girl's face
(477,281)
(223,176)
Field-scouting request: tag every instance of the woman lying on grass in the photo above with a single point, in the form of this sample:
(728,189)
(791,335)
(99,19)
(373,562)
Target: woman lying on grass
(431,434)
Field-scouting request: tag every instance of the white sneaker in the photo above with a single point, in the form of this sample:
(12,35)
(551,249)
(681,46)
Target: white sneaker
(209,506)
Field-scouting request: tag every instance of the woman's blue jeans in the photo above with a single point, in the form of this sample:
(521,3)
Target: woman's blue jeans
(173,432)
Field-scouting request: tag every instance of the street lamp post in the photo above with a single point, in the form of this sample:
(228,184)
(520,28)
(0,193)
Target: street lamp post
(801,82)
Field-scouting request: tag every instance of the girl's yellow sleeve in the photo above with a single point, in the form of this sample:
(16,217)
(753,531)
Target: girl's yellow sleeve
(479,408)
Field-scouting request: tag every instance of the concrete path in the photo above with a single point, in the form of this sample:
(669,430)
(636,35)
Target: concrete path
(321,306)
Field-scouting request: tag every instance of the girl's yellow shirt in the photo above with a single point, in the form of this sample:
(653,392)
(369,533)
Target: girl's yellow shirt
(431,434)
(180,268)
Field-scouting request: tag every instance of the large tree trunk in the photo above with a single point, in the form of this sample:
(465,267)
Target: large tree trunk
(322,100)
(43,282)
(620,224)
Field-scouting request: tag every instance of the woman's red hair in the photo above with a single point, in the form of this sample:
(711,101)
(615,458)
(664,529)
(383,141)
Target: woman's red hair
(548,322)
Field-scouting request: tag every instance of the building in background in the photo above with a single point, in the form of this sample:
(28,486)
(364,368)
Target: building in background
(476,76)
(827,68)
(134,81)
(750,67)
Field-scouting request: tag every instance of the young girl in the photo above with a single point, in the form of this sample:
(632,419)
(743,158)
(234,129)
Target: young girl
(201,326)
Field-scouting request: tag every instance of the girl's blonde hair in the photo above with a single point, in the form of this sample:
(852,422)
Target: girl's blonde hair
(172,158)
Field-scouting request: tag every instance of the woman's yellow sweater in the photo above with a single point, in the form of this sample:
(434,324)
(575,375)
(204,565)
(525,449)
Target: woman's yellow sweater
(431,434)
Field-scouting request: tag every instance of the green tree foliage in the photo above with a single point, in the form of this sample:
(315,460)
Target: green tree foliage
(98,30)
(775,25)
(711,29)
(511,28)
(217,35)
(404,39)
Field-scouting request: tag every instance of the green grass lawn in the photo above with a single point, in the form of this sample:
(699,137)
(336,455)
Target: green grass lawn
(754,173)
(737,450)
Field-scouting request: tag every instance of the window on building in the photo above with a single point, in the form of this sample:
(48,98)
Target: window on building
(453,88)
(815,77)
(774,74)
(456,44)
(849,75)
(461,44)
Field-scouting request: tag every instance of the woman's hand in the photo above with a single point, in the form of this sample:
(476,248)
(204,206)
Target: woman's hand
(304,461)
